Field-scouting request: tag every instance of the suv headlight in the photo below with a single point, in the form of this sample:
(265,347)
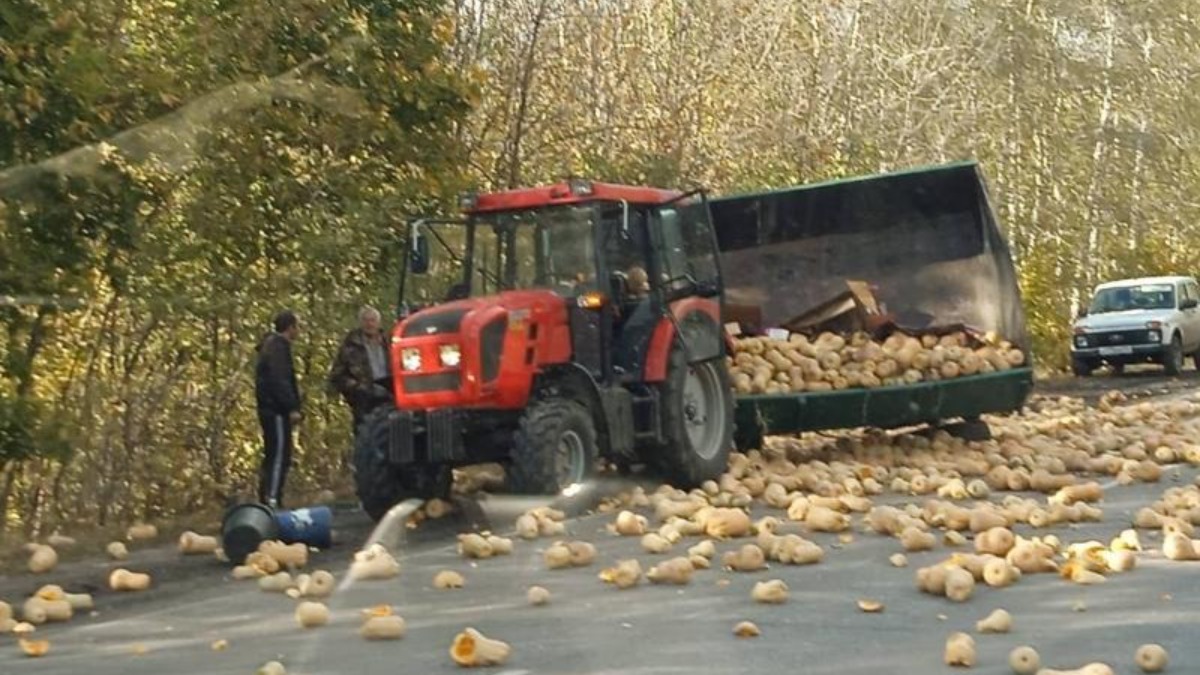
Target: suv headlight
(450,355)
(410,359)
(1154,336)
(1081,341)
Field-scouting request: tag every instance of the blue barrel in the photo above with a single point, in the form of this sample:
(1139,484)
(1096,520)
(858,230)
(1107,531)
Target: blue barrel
(312,526)
(244,527)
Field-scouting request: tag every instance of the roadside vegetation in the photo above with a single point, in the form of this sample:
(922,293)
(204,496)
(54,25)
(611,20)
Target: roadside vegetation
(172,174)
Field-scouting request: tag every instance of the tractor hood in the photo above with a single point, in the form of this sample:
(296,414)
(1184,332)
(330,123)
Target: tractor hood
(478,352)
(447,317)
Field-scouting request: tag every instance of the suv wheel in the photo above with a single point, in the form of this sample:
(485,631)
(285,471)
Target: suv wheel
(1173,356)
(1081,368)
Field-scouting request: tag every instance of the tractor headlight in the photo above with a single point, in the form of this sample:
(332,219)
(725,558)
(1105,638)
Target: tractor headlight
(410,359)
(450,356)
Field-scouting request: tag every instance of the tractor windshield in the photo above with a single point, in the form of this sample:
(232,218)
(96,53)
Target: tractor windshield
(551,248)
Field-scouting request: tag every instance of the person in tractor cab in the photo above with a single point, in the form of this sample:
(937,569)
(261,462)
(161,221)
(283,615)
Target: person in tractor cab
(278,400)
(638,283)
(361,372)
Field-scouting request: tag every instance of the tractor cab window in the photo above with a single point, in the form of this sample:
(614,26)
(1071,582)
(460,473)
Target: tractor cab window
(548,248)
(624,252)
(687,248)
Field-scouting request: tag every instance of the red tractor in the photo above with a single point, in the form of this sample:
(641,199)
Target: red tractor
(552,328)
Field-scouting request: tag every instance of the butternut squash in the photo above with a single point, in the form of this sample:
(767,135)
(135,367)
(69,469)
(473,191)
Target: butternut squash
(471,649)
(1151,658)
(772,592)
(960,651)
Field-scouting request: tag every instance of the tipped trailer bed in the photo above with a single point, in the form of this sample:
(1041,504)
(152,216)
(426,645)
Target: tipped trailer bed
(926,239)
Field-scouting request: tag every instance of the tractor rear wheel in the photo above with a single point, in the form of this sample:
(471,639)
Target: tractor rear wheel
(380,484)
(554,447)
(697,421)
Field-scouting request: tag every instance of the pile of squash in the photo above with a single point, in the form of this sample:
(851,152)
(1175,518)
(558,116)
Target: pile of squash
(767,365)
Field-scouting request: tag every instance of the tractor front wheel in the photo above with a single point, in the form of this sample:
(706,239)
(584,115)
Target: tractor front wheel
(697,421)
(554,447)
(380,484)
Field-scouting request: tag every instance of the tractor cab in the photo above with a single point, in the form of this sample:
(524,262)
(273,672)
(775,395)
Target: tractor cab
(613,253)
(549,328)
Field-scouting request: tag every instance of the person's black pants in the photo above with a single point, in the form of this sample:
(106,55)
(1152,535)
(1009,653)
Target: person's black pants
(277,457)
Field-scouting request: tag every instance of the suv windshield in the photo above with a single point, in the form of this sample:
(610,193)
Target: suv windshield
(1124,298)
(548,248)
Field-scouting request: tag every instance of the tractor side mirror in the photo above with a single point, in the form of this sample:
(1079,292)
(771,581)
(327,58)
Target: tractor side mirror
(418,255)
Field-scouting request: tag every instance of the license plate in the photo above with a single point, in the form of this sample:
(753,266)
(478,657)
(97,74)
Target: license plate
(1115,351)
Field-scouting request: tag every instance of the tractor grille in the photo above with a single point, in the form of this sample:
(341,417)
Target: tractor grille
(424,384)
(400,438)
(491,345)
(444,436)
(1118,338)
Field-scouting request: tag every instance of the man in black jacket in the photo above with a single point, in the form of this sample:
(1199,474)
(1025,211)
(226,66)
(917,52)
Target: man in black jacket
(278,399)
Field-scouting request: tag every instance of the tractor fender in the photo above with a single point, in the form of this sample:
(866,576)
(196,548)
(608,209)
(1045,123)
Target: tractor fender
(573,381)
(700,321)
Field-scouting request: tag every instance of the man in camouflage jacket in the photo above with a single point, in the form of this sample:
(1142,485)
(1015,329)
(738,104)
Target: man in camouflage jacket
(361,372)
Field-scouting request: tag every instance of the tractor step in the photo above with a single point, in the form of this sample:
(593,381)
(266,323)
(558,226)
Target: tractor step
(647,423)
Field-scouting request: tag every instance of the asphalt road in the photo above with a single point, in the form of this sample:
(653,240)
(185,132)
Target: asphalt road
(592,628)
(1139,381)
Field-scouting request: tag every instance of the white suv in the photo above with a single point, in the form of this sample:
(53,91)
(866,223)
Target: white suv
(1148,320)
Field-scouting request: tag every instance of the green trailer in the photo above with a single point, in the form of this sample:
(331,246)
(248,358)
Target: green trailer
(926,240)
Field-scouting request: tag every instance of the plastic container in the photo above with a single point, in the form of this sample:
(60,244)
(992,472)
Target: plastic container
(244,527)
(312,526)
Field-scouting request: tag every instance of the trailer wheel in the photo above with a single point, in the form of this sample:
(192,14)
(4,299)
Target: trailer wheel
(969,429)
(381,485)
(554,447)
(697,421)
(747,437)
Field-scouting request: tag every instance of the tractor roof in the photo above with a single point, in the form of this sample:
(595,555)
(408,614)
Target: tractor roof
(569,192)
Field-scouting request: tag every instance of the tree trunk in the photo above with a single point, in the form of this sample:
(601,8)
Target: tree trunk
(10,475)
